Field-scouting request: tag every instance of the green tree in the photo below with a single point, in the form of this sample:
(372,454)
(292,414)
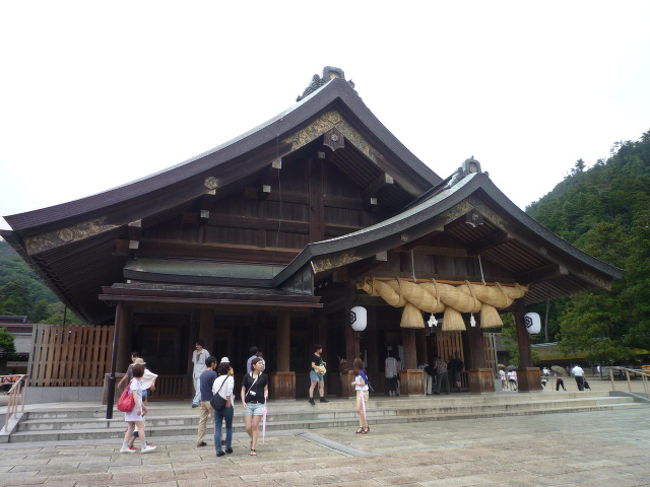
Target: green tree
(6,342)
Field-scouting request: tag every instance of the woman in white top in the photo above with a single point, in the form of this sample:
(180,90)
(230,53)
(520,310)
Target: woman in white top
(135,417)
(361,387)
(223,385)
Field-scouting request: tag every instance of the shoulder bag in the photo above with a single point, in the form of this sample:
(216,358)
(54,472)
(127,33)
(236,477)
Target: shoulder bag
(217,402)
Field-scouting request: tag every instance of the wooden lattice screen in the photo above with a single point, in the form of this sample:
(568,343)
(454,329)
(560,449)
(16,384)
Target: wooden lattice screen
(449,343)
(70,355)
(490,341)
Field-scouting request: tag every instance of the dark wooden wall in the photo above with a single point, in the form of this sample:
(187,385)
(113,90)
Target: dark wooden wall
(310,199)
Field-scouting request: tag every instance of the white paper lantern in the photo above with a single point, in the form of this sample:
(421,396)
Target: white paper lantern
(358,318)
(533,323)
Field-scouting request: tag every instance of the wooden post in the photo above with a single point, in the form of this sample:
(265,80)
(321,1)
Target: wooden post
(373,353)
(410,378)
(421,346)
(206,328)
(481,378)
(528,378)
(123,346)
(120,318)
(283,381)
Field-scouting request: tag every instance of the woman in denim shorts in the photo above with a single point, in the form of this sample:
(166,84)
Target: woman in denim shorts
(254,393)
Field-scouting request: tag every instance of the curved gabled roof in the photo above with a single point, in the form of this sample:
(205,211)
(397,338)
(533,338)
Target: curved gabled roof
(337,92)
(416,221)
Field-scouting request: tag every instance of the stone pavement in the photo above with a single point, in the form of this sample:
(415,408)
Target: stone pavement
(607,448)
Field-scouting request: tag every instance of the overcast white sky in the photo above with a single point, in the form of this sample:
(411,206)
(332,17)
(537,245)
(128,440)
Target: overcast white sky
(95,94)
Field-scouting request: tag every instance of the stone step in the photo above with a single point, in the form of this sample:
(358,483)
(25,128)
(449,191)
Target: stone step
(182,409)
(164,419)
(167,431)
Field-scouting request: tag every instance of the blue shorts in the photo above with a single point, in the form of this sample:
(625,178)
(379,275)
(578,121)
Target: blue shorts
(145,393)
(314,377)
(254,409)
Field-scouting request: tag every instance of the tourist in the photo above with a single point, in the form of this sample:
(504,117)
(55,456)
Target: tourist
(559,382)
(361,387)
(226,360)
(504,380)
(317,375)
(223,385)
(455,367)
(135,417)
(427,377)
(579,376)
(441,375)
(206,379)
(512,379)
(254,393)
(199,356)
(128,375)
(391,373)
(148,381)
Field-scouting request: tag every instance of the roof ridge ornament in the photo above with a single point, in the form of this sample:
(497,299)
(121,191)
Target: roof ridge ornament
(329,73)
(469,166)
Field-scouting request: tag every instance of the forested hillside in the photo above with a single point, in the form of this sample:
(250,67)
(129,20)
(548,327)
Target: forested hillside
(605,211)
(23,293)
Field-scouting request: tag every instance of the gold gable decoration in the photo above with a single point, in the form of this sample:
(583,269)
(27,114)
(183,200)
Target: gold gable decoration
(452,298)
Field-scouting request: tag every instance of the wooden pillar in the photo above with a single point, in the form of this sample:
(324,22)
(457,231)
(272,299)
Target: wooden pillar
(206,329)
(523,339)
(120,318)
(528,377)
(421,346)
(410,378)
(371,334)
(283,337)
(283,381)
(481,378)
(124,342)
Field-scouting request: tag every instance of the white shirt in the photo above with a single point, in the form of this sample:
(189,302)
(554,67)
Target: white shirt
(148,379)
(502,374)
(226,390)
(198,359)
(359,380)
(391,368)
(577,371)
(512,375)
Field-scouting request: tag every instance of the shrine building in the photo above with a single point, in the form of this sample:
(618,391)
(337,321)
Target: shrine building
(272,238)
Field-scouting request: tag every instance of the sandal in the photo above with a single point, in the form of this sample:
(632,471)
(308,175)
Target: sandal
(365,430)
(252,453)
(360,430)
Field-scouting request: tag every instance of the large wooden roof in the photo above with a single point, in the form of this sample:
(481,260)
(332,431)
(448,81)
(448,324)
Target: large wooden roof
(507,237)
(71,245)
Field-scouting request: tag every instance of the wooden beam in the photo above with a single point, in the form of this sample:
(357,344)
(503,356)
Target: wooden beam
(150,247)
(489,241)
(316,209)
(245,303)
(542,273)
(435,250)
(380,181)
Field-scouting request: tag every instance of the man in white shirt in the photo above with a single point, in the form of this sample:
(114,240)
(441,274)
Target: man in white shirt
(579,375)
(199,357)
(391,372)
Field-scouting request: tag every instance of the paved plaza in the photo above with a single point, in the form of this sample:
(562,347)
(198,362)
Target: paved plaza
(607,448)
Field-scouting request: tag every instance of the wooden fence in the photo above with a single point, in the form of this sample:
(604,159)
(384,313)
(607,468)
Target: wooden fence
(70,355)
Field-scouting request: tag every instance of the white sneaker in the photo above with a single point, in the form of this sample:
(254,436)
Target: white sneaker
(126,449)
(148,449)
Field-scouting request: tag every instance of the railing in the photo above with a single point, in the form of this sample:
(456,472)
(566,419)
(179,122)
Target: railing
(624,370)
(16,396)
(173,386)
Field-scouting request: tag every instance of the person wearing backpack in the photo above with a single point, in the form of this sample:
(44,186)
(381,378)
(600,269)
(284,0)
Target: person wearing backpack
(135,415)
(361,387)
(223,387)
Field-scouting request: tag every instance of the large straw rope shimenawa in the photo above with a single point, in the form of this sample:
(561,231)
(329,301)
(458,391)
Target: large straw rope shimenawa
(436,297)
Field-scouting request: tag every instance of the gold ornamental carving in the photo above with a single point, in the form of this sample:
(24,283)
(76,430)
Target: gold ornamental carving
(334,120)
(327,263)
(57,238)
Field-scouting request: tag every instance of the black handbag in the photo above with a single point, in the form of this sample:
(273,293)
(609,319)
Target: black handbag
(217,402)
